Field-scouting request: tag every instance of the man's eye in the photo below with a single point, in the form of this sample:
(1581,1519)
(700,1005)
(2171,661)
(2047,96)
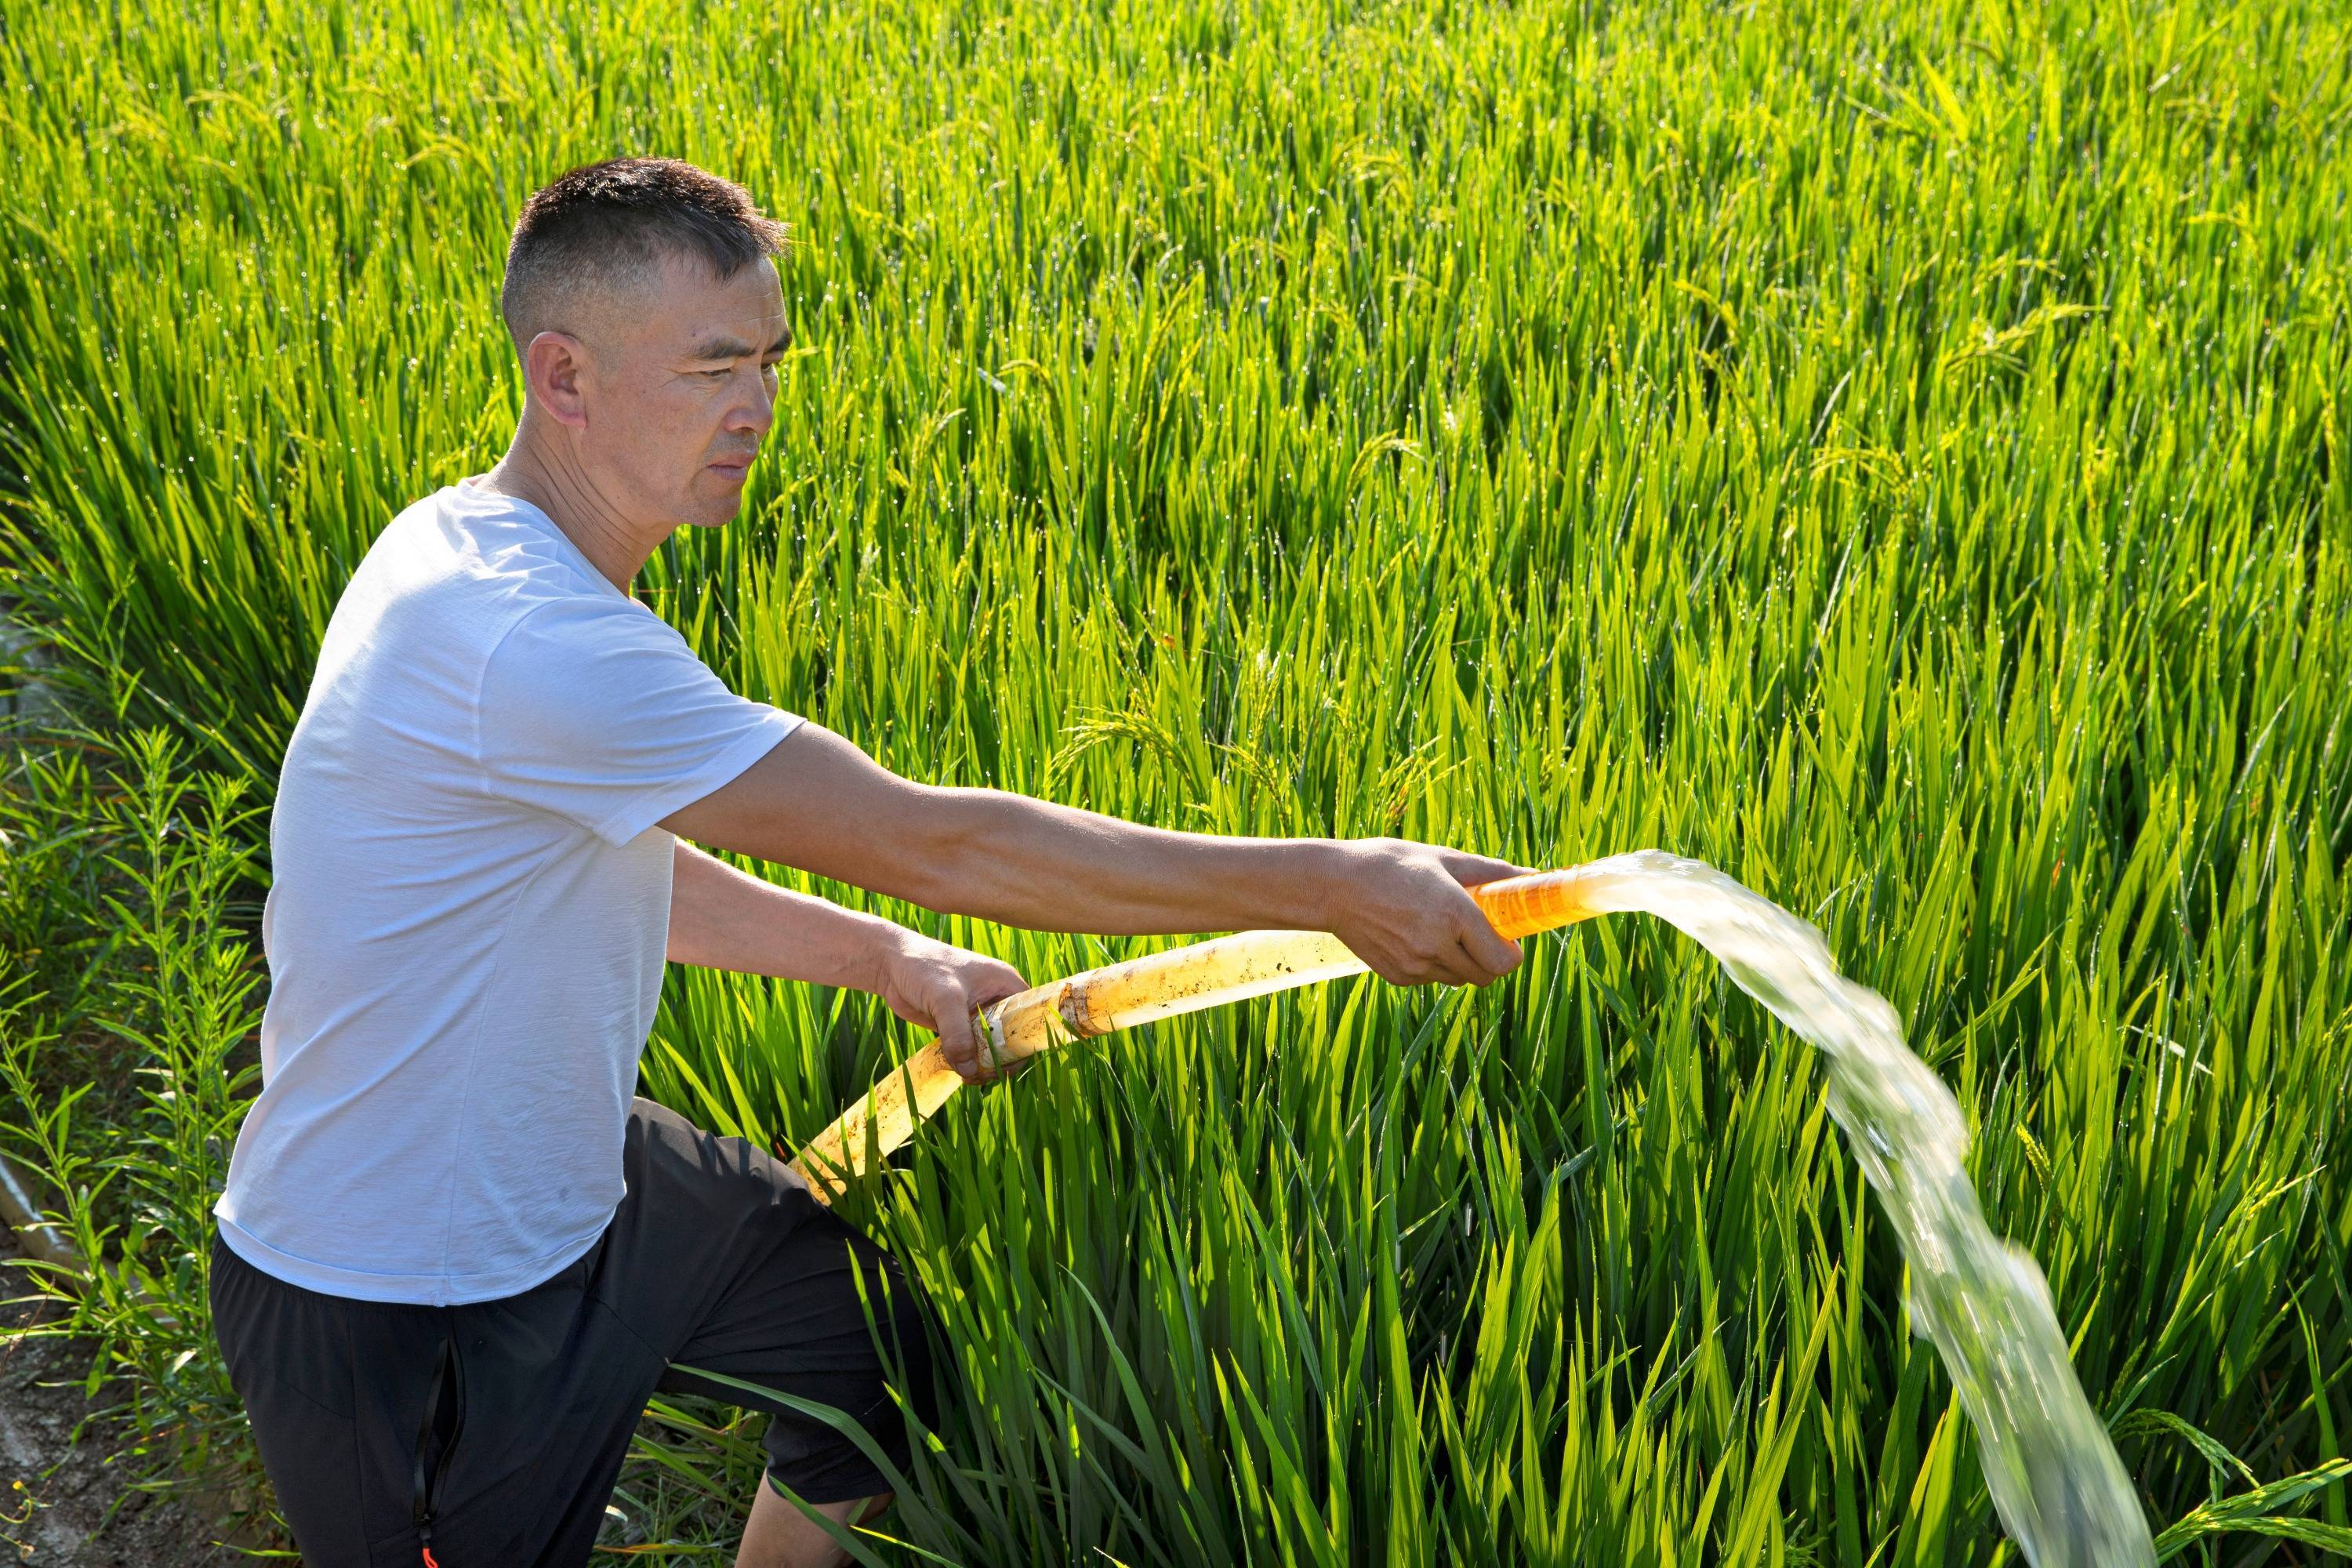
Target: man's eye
(729,371)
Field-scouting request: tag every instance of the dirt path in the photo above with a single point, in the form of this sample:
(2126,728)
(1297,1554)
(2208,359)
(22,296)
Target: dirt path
(54,1493)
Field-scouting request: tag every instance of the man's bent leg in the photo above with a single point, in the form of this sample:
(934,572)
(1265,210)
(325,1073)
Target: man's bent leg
(777,1290)
(777,1535)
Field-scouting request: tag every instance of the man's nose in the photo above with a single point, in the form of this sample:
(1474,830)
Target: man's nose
(756,412)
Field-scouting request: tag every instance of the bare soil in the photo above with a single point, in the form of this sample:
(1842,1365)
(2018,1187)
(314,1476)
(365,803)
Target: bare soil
(62,1505)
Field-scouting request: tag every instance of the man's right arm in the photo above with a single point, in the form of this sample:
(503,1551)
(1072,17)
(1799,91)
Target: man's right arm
(816,802)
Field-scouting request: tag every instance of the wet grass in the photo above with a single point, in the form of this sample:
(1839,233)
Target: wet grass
(1893,452)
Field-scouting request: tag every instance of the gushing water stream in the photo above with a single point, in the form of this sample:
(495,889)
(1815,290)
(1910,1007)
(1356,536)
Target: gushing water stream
(2053,1474)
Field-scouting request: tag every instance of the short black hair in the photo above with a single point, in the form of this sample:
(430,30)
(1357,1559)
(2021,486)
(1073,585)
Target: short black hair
(602,229)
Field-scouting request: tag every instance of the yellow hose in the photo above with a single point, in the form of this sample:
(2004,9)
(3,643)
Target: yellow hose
(1121,995)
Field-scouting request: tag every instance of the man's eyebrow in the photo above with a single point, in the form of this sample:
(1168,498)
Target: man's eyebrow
(735,348)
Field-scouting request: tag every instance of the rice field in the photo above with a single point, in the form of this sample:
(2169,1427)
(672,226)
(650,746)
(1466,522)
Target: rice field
(1895,452)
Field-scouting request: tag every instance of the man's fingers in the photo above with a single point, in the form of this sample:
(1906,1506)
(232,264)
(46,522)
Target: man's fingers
(956,1042)
(1448,964)
(1467,954)
(1481,947)
(1414,969)
(1000,981)
(1494,954)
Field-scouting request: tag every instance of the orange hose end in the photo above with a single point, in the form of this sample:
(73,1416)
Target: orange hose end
(1521,906)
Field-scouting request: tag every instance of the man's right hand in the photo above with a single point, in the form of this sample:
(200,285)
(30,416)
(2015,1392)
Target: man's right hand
(1400,906)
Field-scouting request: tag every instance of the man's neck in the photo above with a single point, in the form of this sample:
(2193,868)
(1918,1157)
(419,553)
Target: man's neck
(613,545)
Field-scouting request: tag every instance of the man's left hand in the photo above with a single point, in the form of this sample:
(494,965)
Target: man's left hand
(935,986)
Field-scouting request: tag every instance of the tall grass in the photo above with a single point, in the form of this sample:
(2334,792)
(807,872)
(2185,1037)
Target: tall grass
(1895,452)
(125,1078)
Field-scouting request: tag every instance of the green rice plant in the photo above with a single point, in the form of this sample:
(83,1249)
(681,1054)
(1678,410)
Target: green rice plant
(1895,453)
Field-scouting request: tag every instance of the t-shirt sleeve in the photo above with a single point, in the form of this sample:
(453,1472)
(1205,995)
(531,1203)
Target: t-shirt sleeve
(597,711)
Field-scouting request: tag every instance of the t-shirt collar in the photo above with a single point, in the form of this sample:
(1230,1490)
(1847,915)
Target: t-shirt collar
(469,491)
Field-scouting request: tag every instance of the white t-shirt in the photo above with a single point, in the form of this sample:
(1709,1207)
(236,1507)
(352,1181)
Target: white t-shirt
(469,910)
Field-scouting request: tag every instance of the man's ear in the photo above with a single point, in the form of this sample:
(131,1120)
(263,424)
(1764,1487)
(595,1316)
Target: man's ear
(552,368)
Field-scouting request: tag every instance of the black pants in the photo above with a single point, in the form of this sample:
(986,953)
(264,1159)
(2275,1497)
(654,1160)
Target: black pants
(498,1428)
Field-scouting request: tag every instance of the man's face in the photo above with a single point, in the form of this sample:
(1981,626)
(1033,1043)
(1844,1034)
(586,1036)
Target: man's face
(684,391)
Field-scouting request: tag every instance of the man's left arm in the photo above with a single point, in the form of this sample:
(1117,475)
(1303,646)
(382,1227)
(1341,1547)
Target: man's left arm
(720,918)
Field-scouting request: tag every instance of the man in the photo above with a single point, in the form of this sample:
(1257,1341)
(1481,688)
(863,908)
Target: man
(456,1254)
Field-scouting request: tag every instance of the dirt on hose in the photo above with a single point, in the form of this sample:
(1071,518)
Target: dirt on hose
(55,1491)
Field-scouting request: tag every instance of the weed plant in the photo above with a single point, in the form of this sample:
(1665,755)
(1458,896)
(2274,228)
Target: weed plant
(131,1150)
(1893,452)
